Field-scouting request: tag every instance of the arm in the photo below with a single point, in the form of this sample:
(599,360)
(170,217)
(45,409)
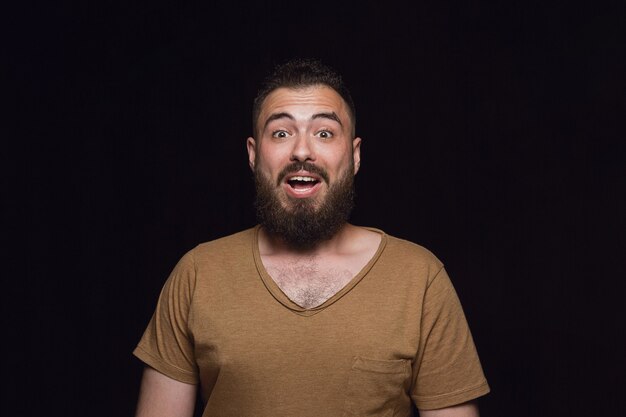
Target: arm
(469,409)
(162,396)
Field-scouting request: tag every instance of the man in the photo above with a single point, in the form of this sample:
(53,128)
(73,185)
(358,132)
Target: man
(306,314)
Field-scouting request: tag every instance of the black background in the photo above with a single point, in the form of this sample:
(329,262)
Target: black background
(492,134)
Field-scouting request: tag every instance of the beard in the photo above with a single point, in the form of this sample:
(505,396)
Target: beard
(301,224)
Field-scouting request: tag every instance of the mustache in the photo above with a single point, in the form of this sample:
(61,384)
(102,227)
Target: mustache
(304,166)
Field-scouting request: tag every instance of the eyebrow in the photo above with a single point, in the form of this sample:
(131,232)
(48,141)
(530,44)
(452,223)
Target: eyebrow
(285,115)
(330,116)
(276,116)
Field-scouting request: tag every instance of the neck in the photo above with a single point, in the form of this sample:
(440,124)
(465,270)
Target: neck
(270,244)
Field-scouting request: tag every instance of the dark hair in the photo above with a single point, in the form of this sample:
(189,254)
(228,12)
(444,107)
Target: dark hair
(301,73)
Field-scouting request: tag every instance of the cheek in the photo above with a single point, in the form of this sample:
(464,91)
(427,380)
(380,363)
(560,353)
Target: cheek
(269,154)
(269,166)
(343,160)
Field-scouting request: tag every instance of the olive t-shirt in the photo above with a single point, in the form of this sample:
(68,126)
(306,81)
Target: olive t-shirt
(395,333)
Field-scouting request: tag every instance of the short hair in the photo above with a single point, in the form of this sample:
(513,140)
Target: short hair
(302,73)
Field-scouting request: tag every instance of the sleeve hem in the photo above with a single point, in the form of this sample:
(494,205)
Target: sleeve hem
(450,399)
(165,368)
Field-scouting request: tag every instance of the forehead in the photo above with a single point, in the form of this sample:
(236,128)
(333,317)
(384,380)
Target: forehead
(303,101)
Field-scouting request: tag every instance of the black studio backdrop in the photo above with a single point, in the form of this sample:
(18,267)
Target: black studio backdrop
(491,135)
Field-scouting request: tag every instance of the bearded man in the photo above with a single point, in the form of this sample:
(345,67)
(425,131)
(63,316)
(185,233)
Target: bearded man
(307,314)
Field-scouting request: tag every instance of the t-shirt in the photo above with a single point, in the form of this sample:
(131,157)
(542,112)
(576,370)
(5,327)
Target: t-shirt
(395,332)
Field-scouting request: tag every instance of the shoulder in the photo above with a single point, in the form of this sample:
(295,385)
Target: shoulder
(224,246)
(222,258)
(219,251)
(405,247)
(406,256)
(395,246)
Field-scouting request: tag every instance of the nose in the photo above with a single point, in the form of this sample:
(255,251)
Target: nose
(302,150)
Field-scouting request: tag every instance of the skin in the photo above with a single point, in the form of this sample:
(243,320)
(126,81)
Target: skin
(162,396)
(469,409)
(309,124)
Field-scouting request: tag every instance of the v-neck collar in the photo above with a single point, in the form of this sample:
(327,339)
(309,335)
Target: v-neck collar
(282,298)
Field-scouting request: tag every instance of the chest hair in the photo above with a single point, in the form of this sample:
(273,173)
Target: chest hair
(308,283)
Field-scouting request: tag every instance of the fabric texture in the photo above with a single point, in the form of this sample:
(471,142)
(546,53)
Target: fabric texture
(393,334)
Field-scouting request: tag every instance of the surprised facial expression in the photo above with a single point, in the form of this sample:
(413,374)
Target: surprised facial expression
(304,144)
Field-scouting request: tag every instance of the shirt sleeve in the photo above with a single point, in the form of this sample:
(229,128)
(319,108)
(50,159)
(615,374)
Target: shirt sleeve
(167,344)
(447,368)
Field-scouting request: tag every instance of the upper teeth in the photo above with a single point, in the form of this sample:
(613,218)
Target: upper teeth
(302,179)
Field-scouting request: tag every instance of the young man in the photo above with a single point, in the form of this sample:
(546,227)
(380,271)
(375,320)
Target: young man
(306,314)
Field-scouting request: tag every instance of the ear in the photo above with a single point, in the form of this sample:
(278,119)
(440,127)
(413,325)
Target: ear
(251,145)
(356,154)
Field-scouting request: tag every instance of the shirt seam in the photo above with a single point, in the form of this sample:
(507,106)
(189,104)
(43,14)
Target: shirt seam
(164,362)
(449,394)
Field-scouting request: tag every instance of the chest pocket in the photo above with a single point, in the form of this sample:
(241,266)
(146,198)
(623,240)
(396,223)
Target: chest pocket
(378,388)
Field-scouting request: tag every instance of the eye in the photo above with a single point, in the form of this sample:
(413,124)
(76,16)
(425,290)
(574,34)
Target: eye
(281,134)
(325,134)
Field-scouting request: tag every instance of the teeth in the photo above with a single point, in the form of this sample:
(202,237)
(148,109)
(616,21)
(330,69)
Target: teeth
(308,179)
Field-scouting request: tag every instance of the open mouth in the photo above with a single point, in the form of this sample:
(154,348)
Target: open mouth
(302,182)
